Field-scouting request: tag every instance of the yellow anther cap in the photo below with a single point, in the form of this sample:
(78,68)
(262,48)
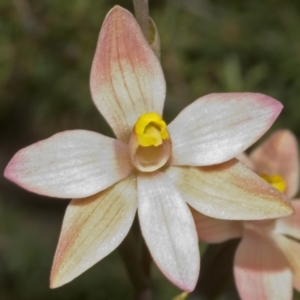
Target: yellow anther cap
(276,181)
(151,130)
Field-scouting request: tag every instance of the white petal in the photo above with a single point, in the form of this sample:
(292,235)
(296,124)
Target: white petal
(261,270)
(229,191)
(70,164)
(126,78)
(217,127)
(92,228)
(169,230)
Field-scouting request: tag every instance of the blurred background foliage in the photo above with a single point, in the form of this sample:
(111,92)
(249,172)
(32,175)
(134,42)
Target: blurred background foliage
(46,50)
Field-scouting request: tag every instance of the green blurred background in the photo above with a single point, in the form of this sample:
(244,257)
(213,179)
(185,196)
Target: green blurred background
(46,50)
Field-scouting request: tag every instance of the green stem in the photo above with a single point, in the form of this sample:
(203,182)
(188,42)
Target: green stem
(141,9)
(140,282)
(216,270)
(146,259)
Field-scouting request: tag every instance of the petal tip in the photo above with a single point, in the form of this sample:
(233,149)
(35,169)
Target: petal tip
(282,207)
(117,9)
(55,282)
(289,210)
(60,273)
(56,278)
(14,173)
(10,171)
(285,209)
(187,286)
(274,104)
(8,174)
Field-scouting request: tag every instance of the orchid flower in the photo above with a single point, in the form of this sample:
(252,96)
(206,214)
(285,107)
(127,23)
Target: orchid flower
(151,167)
(267,260)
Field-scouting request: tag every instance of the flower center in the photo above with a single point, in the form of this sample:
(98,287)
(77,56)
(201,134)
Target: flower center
(150,144)
(151,130)
(276,181)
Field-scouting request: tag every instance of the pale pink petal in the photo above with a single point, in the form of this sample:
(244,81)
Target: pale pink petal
(261,270)
(169,230)
(229,191)
(217,127)
(70,164)
(291,224)
(126,77)
(279,155)
(245,159)
(213,230)
(92,228)
(291,250)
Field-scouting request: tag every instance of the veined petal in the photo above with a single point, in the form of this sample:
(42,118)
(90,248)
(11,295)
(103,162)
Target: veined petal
(229,191)
(169,230)
(291,250)
(217,127)
(126,77)
(213,230)
(279,155)
(92,228)
(291,224)
(70,164)
(261,270)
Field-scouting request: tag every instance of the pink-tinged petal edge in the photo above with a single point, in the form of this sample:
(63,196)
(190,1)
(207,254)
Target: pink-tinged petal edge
(291,224)
(211,230)
(291,250)
(70,164)
(260,269)
(217,127)
(279,155)
(229,191)
(126,77)
(92,228)
(168,229)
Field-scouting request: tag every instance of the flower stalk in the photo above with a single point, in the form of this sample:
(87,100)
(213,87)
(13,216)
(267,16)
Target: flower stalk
(139,280)
(141,9)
